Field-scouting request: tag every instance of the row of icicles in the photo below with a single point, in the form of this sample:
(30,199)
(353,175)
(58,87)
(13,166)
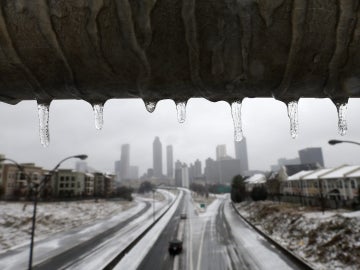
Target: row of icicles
(292,109)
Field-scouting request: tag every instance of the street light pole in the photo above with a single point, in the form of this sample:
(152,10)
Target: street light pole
(36,191)
(38,187)
(333,142)
(153,204)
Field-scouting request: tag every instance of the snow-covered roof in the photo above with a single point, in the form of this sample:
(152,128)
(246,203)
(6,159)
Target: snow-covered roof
(256,179)
(298,175)
(340,171)
(316,174)
(354,173)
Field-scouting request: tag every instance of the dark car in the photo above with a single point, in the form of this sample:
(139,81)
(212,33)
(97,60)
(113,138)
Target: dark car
(183,216)
(175,247)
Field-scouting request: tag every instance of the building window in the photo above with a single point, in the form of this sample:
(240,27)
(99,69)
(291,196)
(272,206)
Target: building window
(352,184)
(62,178)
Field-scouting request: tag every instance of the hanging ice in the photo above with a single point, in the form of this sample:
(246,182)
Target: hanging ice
(292,109)
(99,115)
(236,116)
(150,106)
(181,111)
(43,113)
(342,124)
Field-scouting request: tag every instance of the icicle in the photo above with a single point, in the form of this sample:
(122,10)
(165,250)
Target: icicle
(99,115)
(292,109)
(150,106)
(43,113)
(236,116)
(181,111)
(342,124)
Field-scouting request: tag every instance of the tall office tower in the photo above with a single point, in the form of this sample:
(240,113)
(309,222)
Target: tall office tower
(125,161)
(157,158)
(178,174)
(311,155)
(169,161)
(220,151)
(191,171)
(241,154)
(198,171)
(117,165)
(185,176)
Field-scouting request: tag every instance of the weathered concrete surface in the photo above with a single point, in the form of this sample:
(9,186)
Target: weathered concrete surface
(155,49)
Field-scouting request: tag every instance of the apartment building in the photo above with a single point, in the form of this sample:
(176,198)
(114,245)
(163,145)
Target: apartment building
(15,182)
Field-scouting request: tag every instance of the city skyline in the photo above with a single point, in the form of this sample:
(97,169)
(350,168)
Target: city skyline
(265,125)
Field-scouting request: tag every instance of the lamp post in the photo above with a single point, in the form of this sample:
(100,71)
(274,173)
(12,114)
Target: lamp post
(333,142)
(36,188)
(153,191)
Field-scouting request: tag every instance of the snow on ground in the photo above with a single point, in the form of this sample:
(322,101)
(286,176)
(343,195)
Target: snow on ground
(57,243)
(327,241)
(15,218)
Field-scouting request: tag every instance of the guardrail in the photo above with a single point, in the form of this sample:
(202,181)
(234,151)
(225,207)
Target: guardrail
(117,259)
(294,258)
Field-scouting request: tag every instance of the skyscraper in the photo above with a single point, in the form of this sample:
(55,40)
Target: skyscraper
(157,158)
(198,170)
(178,174)
(220,151)
(241,154)
(311,155)
(169,161)
(117,165)
(125,161)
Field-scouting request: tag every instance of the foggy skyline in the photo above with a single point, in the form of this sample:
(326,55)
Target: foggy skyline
(265,125)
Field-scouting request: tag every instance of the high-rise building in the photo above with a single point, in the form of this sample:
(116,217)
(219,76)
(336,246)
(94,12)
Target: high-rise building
(185,176)
(178,174)
(311,155)
(211,171)
(125,161)
(191,170)
(221,171)
(169,161)
(197,168)
(241,154)
(157,158)
(117,166)
(220,151)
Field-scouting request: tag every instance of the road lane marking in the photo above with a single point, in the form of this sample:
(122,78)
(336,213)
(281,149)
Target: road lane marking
(201,246)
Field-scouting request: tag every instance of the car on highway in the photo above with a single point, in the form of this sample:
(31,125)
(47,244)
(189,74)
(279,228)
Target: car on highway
(175,247)
(183,216)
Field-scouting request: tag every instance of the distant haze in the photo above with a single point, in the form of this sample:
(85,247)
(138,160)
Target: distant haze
(265,125)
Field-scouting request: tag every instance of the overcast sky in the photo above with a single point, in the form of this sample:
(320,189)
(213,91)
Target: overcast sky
(265,125)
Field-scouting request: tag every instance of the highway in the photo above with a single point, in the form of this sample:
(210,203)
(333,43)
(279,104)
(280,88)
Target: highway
(91,246)
(215,239)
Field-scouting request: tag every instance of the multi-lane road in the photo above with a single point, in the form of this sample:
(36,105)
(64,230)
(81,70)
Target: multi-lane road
(213,238)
